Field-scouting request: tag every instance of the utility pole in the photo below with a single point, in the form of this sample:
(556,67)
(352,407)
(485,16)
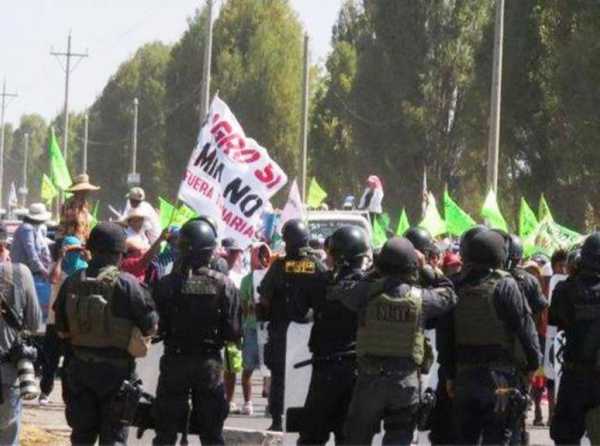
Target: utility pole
(496,100)
(134,179)
(205,93)
(2,114)
(24,191)
(85,141)
(304,123)
(68,70)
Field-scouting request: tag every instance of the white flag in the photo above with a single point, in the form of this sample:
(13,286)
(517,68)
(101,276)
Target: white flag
(230,177)
(293,208)
(13,201)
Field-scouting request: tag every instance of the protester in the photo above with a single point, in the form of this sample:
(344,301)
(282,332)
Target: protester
(72,257)
(138,255)
(451,264)
(30,247)
(4,251)
(163,263)
(233,255)
(135,220)
(252,359)
(75,217)
(372,197)
(137,200)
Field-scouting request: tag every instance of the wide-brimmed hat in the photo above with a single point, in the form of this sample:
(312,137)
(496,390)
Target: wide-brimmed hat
(38,212)
(81,183)
(136,193)
(135,213)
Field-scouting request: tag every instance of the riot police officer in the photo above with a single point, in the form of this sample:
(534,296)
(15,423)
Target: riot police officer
(493,338)
(103,315)
(390,343)
(332,341)
(286,278)
(530,287)
(575,308)
(199,311)
(443,428)
(420,238)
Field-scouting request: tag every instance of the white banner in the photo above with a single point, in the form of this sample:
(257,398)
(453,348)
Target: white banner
(293,208)
(230,177)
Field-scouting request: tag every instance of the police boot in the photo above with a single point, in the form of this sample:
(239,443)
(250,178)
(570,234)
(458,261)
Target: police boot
(276,425)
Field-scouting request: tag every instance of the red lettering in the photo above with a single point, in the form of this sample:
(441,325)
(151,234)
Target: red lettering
(236,223)
(249,232)
(247,156)
(221,130)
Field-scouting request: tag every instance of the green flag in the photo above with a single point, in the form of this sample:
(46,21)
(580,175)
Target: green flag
(95,214)
(527,220)
(48,190)
(316,194)
(403,224)
(59,173)
(491,213)
(544,210)
(457,220)
(165,212)
(433,221)
(182,215)
(380,225)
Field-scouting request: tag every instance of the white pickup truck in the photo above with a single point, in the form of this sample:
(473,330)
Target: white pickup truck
(322,224)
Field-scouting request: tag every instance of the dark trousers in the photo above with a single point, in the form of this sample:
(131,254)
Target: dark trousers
(52,351)
(443,426)
(391,397)
(326,406)
(275,361)
(478,421)
(198,377)
(91,389)
(579,392)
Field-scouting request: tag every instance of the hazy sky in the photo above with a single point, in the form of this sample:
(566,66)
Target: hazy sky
(111,30)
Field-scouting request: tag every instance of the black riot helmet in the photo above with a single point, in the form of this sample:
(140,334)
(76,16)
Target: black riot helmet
(109,238)
(467,237)
(486,250)
(210,221)
(574,260)
(420,238)
(197,242)
(348,244)
(295,234)
(590,252)
(515,249)
(397,256)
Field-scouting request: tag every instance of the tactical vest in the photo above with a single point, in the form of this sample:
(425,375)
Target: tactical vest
(584,343)
(196,316)
(390,327)
(476,323)
(89,313)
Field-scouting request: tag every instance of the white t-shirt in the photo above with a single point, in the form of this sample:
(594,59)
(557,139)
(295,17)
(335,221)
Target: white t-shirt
(375,203)
(151,223)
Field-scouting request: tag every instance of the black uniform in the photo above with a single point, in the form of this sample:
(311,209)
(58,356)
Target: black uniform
(199,312)
(332,343)
(476,370)
(575,309)
(531,290)
(286,278)
(94,375)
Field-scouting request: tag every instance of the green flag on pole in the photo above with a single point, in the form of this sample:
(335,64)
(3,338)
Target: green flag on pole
(403,224)
(182,215)
(491,213)
(457,220)
(316,194)
(544,210)
(527,220)
(380,225)
(59,173)
(433,221)
(48,192)
(95,214)
(165,212)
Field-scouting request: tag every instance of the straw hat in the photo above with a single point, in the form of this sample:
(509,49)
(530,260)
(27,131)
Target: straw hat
(38,213)
(82,182)
(136,193)
(137,212)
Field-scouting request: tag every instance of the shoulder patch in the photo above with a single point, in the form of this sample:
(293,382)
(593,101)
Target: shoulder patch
(304,266)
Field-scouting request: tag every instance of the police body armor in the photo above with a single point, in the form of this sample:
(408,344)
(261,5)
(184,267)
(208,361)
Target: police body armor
(196,314)
(480,336)
(89,313)
(583,340)
(390,327)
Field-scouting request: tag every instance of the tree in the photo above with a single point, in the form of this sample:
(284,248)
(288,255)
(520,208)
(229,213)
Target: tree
(257,70)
